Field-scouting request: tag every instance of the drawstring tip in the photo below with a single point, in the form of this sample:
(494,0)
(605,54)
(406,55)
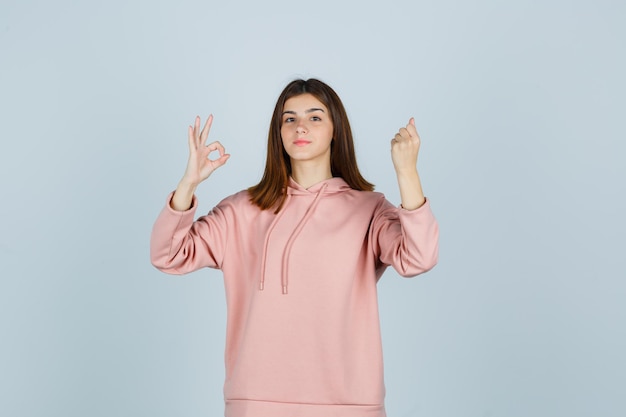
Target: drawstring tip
(261,286)
(285,289)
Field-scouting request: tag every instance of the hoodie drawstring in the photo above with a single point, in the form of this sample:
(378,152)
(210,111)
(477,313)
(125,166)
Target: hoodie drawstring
(283,273)
(285,261)
(266,243)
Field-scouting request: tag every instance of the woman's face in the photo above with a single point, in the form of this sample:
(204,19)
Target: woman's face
(306,130)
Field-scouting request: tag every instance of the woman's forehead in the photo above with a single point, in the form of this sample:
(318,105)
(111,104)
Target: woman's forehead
(304,102)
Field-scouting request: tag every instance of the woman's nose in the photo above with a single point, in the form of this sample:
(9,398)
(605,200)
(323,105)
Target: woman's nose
(300,128)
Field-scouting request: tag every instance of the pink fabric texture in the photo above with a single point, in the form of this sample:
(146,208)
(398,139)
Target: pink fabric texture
(303,335)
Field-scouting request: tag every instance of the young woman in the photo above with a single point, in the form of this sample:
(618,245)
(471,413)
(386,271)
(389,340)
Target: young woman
(301,253)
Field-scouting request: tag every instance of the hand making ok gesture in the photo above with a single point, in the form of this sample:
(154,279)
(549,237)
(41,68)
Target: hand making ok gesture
(199,165)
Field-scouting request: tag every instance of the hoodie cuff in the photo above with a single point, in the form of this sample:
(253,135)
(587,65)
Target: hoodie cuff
(426,203)
(192,209)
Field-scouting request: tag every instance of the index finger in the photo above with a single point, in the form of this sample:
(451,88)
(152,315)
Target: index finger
(216,146)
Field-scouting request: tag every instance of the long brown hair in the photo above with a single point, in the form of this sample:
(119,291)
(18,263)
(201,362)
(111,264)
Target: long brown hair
(271,191)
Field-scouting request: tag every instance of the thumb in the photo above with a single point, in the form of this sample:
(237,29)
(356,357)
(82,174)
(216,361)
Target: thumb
(222,159)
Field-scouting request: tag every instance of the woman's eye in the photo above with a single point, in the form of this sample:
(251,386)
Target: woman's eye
(289,119)
(315,119)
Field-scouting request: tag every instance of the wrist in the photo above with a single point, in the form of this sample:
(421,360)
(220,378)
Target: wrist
(407,174)
(187,186)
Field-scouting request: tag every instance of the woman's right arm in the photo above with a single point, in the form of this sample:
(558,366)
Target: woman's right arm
(178,244)
(199,166)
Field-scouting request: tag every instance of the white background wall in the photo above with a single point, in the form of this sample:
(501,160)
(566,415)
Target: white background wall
(521,109)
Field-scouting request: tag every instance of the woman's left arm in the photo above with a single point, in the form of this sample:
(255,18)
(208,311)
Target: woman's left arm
(407,238)
(404,150)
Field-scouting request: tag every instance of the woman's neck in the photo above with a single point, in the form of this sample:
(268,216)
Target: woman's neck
(308,175)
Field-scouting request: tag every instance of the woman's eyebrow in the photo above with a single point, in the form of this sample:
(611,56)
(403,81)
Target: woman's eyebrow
(306,111)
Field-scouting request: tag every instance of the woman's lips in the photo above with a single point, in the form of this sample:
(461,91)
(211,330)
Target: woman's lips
(301,142)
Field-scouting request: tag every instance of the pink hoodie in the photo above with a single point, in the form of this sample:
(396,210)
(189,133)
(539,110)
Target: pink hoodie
(303,335)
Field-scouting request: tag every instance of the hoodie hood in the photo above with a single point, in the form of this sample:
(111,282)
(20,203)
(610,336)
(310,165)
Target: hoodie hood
(330,186)
(294,190)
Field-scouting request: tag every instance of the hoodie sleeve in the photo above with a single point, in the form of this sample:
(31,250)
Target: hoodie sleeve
(408,240)
(179,244)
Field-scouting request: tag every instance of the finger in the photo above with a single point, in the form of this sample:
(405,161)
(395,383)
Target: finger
(412,129)
(221,160)
(216,146)
(403,132)
(215,164)
(196,131)
(191,139)
(205,131)
(196,126)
